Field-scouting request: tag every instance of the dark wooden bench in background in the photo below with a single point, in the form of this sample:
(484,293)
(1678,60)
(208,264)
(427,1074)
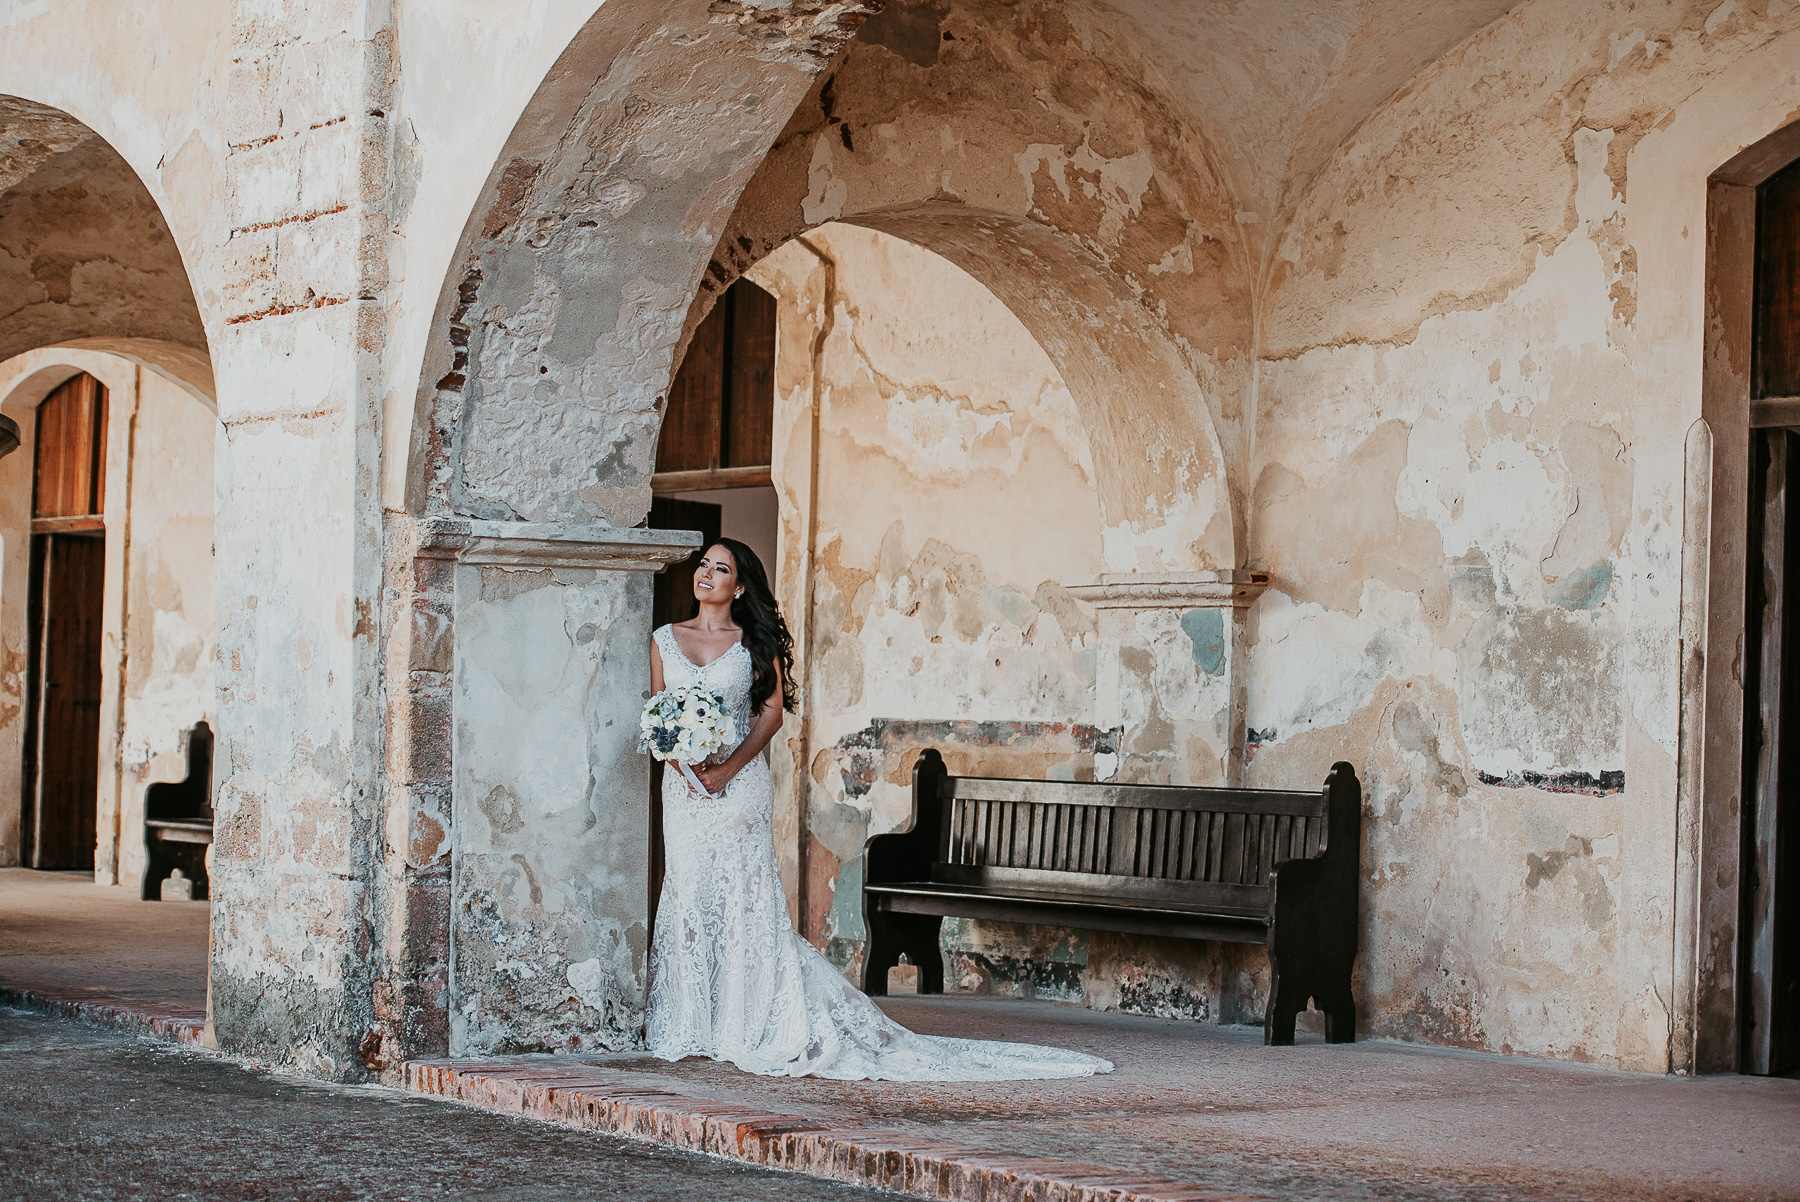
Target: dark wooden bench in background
(178,820)
(1267,866)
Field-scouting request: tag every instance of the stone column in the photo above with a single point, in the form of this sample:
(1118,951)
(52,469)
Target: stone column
(1171,671)
(297,296)
(549,889)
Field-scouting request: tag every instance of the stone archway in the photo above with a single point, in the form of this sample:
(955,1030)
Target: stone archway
(91,262)
(156,611)
(92,268)
(528,606)
(649,169)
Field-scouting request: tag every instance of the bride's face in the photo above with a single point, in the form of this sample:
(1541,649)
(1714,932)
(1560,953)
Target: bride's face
(716,579)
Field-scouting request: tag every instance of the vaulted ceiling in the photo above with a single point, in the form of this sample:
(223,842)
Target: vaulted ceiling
(86,257)
(1279,84)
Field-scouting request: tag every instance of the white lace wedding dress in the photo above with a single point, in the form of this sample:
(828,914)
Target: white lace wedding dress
(730,979)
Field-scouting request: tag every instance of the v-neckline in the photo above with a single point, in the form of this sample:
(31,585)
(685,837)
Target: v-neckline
(687,659)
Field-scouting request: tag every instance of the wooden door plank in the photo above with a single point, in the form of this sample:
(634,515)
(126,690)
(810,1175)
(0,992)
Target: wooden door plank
(68,769)
(690,430)
(748,428)
(1763,717)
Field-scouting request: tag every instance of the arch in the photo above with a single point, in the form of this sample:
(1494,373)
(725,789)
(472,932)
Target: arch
(87,259)
(91,279)
(555,332)
(1147,414)
(660,159)
(129,631)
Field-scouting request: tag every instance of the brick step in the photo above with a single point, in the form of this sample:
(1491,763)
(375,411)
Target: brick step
(588,1096)
(157,1020)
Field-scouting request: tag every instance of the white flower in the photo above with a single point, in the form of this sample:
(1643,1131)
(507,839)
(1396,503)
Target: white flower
(684,724)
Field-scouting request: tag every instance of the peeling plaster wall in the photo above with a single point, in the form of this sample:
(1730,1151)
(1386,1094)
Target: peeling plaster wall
(1468,489)
(1467,482)
(954,491)
(1402,307)
(167,607)
(157,612)
(551,881)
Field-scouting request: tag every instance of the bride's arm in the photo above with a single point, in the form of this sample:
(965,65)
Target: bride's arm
(768,720)
(656,681)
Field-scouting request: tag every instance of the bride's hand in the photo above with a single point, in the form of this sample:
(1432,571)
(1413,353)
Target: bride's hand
(715,776)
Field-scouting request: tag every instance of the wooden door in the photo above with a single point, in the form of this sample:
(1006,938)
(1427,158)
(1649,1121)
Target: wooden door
(68,566)
(673,601)
(1771,880)
(71,569)
(720,421)
(1770,930)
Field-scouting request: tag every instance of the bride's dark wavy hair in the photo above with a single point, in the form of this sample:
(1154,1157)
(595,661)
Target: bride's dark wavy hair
(766,634)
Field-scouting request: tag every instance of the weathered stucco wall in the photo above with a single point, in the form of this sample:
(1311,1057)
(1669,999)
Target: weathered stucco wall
(157,613)
(1402,308)
(1479,372)
(167,603)
(1468,474)
(550,883)
(936,479)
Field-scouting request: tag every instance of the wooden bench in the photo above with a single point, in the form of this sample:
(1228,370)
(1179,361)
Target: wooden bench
(1267,866)
(178,820)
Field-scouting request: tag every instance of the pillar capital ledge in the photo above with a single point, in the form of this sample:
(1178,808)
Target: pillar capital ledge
(553,544)
(1230,588)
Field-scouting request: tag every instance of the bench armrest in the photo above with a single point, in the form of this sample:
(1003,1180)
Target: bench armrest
(908,853)
(1315,900)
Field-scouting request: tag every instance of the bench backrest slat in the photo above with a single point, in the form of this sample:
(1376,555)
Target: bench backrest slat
(1212,896)
(1157,797)
(1225,837)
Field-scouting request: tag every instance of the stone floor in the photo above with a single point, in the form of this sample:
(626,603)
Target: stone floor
(1211,1105)
(1188,1103)
(87,1114)
(82,945)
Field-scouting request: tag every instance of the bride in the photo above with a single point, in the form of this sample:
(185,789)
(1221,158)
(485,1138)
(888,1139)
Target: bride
(730,979)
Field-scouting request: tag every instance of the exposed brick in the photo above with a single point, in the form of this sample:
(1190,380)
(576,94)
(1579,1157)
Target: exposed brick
(585,1095)
(175,1024)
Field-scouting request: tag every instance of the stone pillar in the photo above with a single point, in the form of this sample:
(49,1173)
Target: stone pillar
(297,298)
(549,877)
(1171,671)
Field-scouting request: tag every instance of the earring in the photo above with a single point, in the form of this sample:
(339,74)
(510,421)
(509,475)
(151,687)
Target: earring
(737,594)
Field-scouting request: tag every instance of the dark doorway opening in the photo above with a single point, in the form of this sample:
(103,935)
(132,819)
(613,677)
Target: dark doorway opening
(713,464)
(673,601)
(1769,923)
(68,566)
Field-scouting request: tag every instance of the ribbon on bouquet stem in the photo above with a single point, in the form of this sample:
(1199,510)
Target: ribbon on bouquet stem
(693,780)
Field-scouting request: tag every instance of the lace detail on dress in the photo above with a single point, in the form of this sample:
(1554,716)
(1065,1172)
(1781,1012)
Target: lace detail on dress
(730,979)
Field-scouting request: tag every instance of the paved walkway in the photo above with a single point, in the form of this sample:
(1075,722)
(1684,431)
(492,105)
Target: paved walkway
(87,1114)
(1197,1106)
(1193,1111)
(100,954)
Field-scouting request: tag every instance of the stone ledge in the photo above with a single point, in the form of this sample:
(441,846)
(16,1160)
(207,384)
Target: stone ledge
(151,1019)
(579,1094)
(553,544)
(1232,588)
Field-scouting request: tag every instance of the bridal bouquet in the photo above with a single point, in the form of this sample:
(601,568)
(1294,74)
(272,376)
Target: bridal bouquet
(685,725)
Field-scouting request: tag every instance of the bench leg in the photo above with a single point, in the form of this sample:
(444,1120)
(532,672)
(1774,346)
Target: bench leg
(1285,1002)
(891,934)
(1340,1012)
